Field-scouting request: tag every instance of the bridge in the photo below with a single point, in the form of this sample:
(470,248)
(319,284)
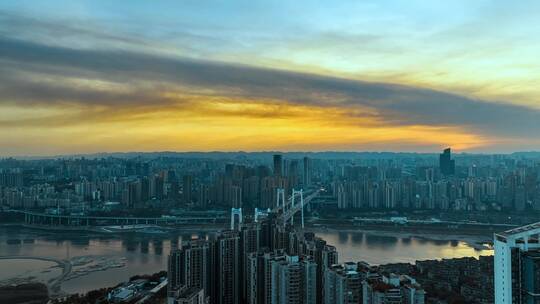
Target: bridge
(285,209)
(296,203)
(35,218)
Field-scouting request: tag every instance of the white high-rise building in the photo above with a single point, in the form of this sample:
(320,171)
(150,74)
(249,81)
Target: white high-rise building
(517,265)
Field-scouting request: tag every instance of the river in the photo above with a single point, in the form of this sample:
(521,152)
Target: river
(101,260)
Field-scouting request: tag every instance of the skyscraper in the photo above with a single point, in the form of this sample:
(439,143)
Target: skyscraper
(293,173)
(249,243)
(517,265)
(191,295)
(186,188)
(446,164)
(294,280)
(275,277)
(278,165)
(226,250)
(236,196)
(189,267)
(156,187)
(342,284)
(307,172)
(325,256)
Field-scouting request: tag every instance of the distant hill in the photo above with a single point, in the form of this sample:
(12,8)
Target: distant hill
(530,154)
(268,154)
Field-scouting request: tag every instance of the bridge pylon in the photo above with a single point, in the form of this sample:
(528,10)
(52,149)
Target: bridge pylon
(280,194)
(301,193)
(260,212)
(236,212)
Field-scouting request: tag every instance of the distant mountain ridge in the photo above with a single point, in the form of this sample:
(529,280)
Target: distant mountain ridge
(266,154)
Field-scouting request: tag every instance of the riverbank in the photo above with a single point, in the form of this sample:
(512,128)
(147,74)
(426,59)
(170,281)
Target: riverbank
(74,268)
(29,293)
(53,284)
(434,228)
(311,223)
(113,230)
(477,241)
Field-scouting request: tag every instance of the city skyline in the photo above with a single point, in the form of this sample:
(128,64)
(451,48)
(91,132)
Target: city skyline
(89,76)
(269,152)
(317,228)
(296,155)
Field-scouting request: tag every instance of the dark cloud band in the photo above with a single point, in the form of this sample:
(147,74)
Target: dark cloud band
(147,76)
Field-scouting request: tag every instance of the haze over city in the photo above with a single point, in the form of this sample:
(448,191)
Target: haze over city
(111,76)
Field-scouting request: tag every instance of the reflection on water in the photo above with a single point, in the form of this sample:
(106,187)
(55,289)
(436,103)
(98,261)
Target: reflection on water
(148,253)
(143,254)
(406,241)
(158,247)
(380,249)
(343,237)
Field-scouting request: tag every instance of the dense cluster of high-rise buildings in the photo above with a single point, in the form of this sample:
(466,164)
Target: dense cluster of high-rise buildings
(489,183)
(137,183)
(349,181)
(268,262)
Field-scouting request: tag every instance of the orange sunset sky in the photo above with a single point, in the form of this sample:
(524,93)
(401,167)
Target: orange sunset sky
(110,76)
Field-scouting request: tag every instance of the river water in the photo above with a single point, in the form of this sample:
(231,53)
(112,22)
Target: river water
(102,260)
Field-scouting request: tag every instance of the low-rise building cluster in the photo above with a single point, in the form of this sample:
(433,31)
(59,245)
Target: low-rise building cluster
(448,280)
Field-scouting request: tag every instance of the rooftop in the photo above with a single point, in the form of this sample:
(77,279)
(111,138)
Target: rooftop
(522,231)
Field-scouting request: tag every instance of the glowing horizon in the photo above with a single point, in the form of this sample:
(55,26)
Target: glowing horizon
(95,76)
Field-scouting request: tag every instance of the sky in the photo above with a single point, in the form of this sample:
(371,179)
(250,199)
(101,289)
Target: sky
(373,75)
